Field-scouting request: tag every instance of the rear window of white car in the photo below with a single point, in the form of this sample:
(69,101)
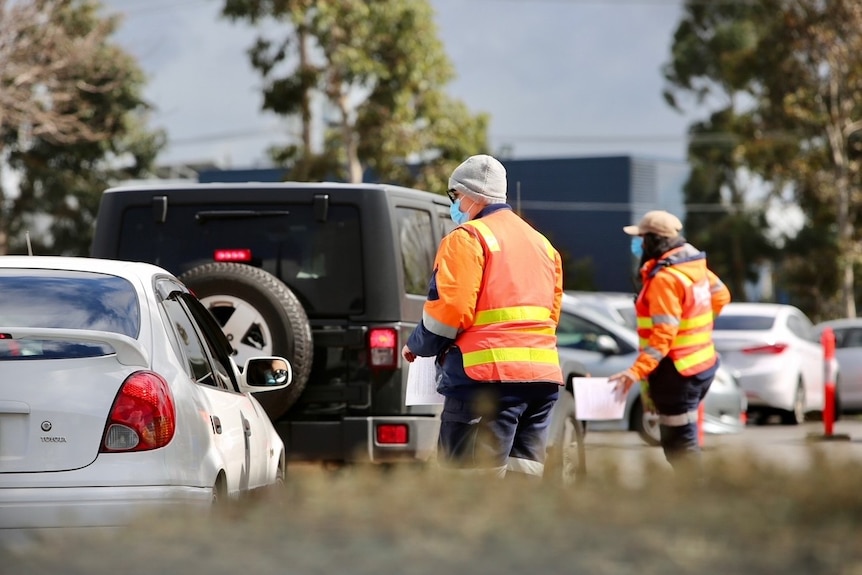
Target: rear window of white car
(68,300)
(744,322)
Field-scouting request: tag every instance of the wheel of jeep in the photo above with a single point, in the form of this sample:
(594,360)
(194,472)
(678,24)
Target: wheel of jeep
(260,316)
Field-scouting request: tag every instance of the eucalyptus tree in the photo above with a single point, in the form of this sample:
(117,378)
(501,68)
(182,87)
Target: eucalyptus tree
(372,76)
(72,120)
(786,75)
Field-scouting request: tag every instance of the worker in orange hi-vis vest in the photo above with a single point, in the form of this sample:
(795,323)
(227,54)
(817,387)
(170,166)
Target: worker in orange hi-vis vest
(678,299)
(490,319)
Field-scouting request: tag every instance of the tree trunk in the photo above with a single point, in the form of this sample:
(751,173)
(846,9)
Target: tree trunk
(306,92)
(845,245)
(351,143)
(4,228)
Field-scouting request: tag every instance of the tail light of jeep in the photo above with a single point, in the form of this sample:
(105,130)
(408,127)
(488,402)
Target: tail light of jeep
(383,347)
(392,433)
(232,255)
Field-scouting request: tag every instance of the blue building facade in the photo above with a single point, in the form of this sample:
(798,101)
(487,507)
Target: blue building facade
(581,204)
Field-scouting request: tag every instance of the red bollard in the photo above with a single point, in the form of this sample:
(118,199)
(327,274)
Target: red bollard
(700,416)
(830,368)
(827,338)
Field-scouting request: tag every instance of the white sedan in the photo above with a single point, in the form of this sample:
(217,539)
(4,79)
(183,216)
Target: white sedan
(775,353)
(118,393)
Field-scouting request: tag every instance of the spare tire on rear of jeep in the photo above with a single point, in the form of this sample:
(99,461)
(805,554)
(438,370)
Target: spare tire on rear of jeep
(260,316)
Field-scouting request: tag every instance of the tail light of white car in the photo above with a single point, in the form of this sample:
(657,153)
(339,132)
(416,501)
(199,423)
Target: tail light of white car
(767,349)
(142,417)
(383,347)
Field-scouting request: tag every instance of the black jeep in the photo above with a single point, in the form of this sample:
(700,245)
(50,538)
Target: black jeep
(331,276)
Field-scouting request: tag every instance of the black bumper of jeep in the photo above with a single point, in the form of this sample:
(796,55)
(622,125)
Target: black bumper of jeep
(354,439)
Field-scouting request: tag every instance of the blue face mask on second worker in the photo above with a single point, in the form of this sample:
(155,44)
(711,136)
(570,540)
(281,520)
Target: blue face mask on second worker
(457,215)
(637,246)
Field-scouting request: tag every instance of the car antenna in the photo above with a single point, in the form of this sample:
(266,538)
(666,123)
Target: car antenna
(29,246)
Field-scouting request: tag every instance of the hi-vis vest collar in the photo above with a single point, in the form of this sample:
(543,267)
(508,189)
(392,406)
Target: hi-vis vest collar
(491,241)
(683,254)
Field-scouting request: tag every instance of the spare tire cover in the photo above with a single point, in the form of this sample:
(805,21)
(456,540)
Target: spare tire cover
(260,316)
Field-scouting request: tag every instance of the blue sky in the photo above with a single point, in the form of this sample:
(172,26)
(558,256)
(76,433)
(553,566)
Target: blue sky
(559,78)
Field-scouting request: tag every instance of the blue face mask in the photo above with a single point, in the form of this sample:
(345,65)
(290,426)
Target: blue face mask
(637,246)
(457,215)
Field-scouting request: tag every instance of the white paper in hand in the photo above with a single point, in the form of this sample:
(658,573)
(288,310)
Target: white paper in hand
(422,382)
(596,399)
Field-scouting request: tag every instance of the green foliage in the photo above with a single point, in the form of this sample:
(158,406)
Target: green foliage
(61,180)
(784,82)
(379,71)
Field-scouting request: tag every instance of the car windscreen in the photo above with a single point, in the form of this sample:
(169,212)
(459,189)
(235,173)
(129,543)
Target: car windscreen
(68,300)
(319,258)
(744,322)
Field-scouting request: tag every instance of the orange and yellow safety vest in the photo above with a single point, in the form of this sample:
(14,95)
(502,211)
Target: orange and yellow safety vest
(675,310)
(504,320)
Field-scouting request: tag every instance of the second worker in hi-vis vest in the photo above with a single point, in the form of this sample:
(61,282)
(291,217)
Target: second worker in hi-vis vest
(678,299)
(490,320)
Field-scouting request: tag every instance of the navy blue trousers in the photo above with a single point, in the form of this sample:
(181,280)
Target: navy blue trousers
(676,398)
(496,431)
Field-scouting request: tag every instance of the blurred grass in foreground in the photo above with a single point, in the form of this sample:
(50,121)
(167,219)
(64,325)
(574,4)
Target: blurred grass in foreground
(752,518)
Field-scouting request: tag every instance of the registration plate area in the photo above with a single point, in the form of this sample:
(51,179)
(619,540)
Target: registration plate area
(14,438)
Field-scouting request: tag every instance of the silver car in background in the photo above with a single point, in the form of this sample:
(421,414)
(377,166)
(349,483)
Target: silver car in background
(619,306)
(848,354)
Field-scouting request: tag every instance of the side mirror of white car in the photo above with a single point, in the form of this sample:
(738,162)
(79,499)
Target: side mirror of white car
(607,345)
(266,374)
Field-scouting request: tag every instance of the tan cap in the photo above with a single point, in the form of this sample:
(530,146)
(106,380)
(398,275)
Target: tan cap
(658,222)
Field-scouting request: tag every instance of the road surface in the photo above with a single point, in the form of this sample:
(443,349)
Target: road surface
(793,447)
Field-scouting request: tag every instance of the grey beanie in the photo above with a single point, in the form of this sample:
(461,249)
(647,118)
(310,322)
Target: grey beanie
(482,177)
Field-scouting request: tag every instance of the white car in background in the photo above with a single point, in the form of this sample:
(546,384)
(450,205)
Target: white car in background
(118,394)
(619,306)
(776,354)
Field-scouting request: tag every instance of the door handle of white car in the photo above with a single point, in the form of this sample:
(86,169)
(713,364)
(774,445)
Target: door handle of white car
(246,426)
(216,424)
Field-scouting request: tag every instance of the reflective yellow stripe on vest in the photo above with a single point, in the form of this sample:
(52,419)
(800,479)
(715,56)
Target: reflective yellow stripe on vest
(696,322)
(687,281)
(689,340)
(494,245)
(695,358)
(549,248)
(486,233)
(522,354)
(532,313)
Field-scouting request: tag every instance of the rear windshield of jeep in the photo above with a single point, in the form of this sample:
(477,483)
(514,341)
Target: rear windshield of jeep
(320,261)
